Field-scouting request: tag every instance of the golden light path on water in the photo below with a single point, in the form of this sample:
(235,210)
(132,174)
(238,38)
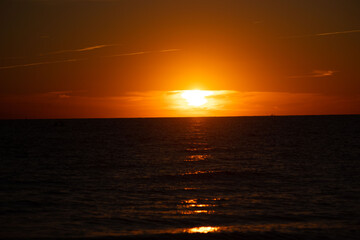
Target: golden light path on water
(198,149)
(202,229)
(241,228)
(197,206)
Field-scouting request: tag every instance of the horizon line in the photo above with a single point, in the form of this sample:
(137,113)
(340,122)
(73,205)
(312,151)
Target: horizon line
(235,116)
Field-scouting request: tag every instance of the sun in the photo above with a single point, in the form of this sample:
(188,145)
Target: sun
(196,98)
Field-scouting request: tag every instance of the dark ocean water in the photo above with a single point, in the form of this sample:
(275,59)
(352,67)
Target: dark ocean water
(246,177)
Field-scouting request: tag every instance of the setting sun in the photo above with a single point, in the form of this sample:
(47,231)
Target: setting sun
(196,98)
(199,102)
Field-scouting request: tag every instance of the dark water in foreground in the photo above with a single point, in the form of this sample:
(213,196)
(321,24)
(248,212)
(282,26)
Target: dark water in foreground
(246,177)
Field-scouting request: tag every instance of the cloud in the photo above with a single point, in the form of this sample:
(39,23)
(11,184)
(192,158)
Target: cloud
(80,49)
(60,94)
(316,74)
(322,34)
(322,73)
(108,45)
(170,50)
(41,63)
(129,54)
(144,52)
(84,59)
(335,33)
(288,103)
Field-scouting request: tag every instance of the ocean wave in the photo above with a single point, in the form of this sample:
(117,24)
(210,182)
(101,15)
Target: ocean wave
(215,174)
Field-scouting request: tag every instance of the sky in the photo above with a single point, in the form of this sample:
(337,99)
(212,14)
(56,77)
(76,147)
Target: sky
(132,58)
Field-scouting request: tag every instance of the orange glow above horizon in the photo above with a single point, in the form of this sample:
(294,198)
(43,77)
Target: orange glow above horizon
(172,104)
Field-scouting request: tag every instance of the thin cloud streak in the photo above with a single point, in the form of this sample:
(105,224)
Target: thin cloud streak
(335,33)
(80,49)
(144,52)
(84,59)
(316,74)
(42,63)
(322,34)
(129,54)
(170,50)
(60,94)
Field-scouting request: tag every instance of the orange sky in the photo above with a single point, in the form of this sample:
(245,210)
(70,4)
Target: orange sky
(91,59)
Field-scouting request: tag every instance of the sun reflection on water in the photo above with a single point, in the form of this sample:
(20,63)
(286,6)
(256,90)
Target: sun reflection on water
(198,149)
(190,212)
(197,172)
(202,229)
(198,153)
(197,206)
(247,228)
(197,157)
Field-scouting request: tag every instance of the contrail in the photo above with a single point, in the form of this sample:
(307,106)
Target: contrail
(40,63)
(322,34)
(83,59)
(80,49)
(335,33)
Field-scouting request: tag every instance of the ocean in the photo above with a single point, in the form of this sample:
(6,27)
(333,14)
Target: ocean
(274,177)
